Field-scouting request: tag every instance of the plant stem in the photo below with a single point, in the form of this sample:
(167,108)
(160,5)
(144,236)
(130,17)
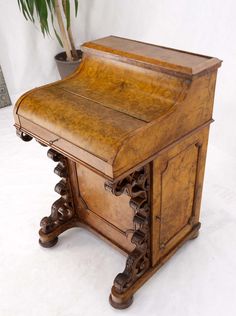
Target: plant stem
(64,38)
(74,51)
(70,36)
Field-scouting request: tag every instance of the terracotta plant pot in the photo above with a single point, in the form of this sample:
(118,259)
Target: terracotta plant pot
(66,67)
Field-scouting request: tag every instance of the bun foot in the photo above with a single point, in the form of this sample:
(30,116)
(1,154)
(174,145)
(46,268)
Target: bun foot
(195,235)
(120,304)
(48,244)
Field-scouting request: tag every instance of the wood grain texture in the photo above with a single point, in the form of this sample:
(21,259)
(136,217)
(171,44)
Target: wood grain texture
(102,210)
(178,172)
(129,131)
(114,107)
(167,59)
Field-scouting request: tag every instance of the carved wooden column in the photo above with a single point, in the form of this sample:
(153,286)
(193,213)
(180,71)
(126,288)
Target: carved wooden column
(137,186)
(63,211)
(63,215)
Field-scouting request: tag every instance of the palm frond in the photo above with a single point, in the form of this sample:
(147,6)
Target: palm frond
(44,11)
(76,7)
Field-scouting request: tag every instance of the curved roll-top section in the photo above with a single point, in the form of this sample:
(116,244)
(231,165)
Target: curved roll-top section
(115,110)
(138,92)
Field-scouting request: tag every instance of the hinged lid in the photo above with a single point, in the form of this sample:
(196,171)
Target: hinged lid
(167,59)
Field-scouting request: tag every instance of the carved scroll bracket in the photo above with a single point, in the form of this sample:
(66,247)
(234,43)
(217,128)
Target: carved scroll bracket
(62,209)
(137,187)
(63,215)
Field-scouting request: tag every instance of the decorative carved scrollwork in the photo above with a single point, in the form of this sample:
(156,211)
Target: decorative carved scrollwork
(137,186)
(62,210)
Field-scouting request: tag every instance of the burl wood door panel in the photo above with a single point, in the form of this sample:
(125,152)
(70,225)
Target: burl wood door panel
(177,184)
(110,215)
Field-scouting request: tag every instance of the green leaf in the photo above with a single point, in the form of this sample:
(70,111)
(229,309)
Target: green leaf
(42,11)
(76,7)
(51,6)
(24,9)
(30,6)
(19,4)
(58,37)
(67,13)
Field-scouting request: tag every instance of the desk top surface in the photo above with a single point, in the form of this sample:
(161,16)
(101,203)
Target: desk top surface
(168,58)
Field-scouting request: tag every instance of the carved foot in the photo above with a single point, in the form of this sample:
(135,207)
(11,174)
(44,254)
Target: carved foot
(48,244)
(25,137)
(120,303)
(196,234)
(63,215)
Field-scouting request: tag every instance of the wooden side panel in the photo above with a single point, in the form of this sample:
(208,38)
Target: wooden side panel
(177,187)
(177,182)
(192,110)
(109,215)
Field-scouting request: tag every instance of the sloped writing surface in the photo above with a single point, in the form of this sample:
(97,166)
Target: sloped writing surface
(138,92)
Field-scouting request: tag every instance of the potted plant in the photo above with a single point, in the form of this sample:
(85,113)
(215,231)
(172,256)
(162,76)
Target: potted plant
(58,12)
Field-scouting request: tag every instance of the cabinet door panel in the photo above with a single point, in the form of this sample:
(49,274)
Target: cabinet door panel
(177,185)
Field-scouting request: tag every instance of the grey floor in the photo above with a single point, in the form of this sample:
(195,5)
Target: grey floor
(75,277)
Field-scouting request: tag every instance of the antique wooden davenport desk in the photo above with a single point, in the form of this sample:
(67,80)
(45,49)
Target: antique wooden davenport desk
(129,132)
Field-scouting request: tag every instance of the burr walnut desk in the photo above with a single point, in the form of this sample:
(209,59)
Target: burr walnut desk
(129,133)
